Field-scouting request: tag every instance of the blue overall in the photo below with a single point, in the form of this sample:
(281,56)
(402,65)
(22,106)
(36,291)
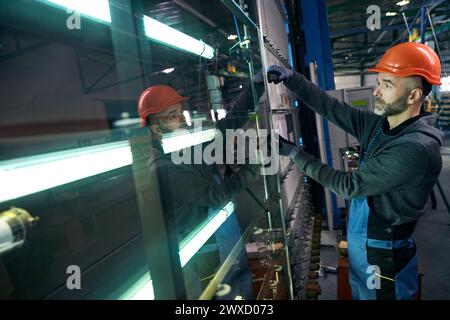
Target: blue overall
(380,278)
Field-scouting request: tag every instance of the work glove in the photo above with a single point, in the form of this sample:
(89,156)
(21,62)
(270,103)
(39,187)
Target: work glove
(276,74)
(285,147)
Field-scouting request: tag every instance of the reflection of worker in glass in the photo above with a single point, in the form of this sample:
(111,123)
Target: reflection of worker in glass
(193,191)
(399,164)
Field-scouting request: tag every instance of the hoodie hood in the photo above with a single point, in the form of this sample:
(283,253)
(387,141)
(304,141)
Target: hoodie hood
(425,126)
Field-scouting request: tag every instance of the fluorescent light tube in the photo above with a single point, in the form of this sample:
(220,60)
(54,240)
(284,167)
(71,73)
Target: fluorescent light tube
(140,290)
(155,30)
(391,14)
(162,33)
(98,9)
(190,245)
(28,175)
(178,141)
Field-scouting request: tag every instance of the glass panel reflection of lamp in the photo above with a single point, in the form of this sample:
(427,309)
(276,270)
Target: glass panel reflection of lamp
(28,175)
(189,246)
(140,290)
(185,139)
(163,33)
(155,30)
(98,9)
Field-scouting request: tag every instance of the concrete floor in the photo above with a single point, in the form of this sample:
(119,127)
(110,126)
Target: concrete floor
(328,282)
(432,236)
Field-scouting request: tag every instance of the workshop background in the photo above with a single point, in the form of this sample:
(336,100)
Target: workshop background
(83,217)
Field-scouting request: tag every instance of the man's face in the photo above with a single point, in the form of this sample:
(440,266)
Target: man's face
(172,119)
(391,95)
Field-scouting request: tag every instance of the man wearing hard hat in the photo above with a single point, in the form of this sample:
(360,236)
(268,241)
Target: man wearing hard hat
(191,191)
(160,108)
(399,165)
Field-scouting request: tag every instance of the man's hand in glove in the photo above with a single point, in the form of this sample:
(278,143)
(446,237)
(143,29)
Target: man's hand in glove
(276,74)
(285,147)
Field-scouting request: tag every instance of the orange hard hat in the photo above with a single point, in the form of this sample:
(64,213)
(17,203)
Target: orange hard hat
(156,99)
(411,59)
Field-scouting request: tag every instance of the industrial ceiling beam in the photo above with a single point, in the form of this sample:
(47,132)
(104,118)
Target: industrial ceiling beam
(199,15)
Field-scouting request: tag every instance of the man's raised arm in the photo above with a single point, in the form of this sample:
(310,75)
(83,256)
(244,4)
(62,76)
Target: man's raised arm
(351,120)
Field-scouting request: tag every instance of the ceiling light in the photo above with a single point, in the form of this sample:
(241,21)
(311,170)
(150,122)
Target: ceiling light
(391,14)
(140,290)
(232,37)
(403,3)
(168,70)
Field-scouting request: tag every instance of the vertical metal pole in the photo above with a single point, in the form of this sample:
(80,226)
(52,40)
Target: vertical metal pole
(423,23)
(315,27)
(267,105)
(250,61)
(270,122)
(161,245)
(323,150)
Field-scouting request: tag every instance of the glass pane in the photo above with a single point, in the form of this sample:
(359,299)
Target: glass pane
(263,240)
(114,124)
(209,203)
(66,157)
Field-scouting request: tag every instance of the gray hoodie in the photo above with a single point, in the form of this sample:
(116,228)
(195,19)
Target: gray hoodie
(401,169)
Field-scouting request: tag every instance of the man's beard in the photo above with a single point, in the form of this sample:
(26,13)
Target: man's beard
(393,108)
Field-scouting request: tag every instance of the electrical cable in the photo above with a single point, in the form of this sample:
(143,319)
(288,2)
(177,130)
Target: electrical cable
(406,22)
(237,29)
